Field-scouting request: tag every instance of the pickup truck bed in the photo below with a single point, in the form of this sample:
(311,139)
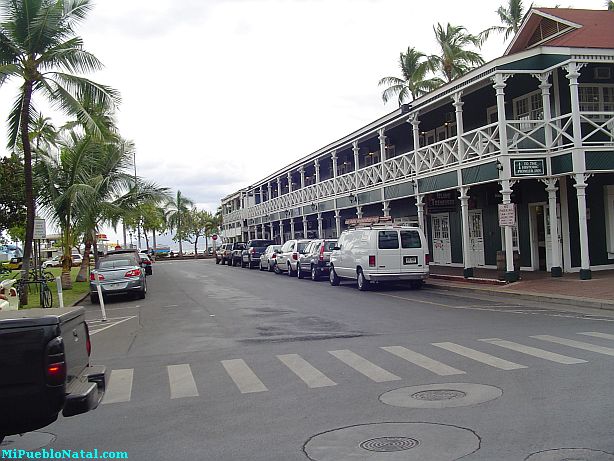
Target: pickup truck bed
(44,368)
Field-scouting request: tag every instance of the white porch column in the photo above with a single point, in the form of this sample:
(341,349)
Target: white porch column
(382,156)
(458,106)
(320,227)
(279,187)
(289,182)
(334,160)
(545,87)
(585,262)
(499,87)
(316,165)
(292,228)
(304,227)
(337,223)
(510,275)
(268,191)
(420,207)
(415,123)
(281,231)
(359,211)
(386,208)
(468,263)
(301,170)
(356,151)
(555,251)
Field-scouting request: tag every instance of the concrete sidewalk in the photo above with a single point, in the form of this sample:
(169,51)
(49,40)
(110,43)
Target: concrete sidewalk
(536,286)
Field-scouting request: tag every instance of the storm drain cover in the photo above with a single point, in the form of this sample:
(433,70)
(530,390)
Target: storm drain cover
(436,395)
(571,454)
(388,444)
(393,441)
(448,395)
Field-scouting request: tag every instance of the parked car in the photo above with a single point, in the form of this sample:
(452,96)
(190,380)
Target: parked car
(147,264)
(287,258)
(381,253)
(316,259)
(235,253)
(53,262)
(118,273)
(250,257)
(268,257)
(77,259)
(222,254)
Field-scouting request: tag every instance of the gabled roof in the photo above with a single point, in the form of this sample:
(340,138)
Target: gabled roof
(564,27)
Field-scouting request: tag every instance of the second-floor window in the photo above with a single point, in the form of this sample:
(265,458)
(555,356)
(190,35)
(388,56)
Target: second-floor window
(528,107)
(596,98)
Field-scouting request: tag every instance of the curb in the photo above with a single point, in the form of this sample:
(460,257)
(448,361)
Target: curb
(80,300)
(529,296)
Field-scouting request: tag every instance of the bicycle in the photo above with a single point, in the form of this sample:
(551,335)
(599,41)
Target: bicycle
(48,276)
(45,295)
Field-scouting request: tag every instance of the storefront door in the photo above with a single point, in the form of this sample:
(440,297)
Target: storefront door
(442,250)
(476,238)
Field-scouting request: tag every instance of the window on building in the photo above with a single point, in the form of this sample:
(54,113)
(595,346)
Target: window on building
(528,107)
(596,98)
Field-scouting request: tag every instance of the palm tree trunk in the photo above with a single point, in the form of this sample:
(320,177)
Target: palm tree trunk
(154,238)
(29,192)
(124,232)
(146,239)
(196,247)
(82,275)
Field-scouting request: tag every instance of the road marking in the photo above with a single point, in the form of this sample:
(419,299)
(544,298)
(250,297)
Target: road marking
(534,351)
(479,356)
(243,376)
(365,367)
(111,325)
(119,388)
(576,344)
(423,361)
(181,381)
(304,370)
(596,334)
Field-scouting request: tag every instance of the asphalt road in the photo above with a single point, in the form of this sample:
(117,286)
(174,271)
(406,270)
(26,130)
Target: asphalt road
(228,364)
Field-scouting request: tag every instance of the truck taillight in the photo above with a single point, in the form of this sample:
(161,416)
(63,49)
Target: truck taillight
(56,373)
(55,365)
(133,273)
(322,252)
(371,260)
(427,259)
(252,250)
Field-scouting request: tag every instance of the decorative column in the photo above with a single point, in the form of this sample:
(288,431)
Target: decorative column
(292,235)
(382,155)
(289,182)
(356,151)
(499,87)
(386,208)
(278,187)
(555,252)
(585,262)
(415,123)
(316,165)
(359,211)
(320,227)
(420,207)
(304,227)
(301,170)
(510,275)
(337,223)
(281,232)
(268,191)
(544,86)
(458,106)
(467,260)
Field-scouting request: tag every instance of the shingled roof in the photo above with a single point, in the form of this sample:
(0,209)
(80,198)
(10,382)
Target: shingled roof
(564,27)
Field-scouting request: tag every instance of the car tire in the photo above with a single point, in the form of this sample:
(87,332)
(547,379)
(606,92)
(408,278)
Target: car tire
(217,261)
(243,265)
(315,273)
(333,278)
(94,298)
(362,282)
(290,273)
(222,261)
(299,272)
(276,269)
(271,266)
(143,291)
(260,266)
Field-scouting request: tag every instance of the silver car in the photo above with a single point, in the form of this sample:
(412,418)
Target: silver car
(118,274)
(268,258)
(315,261)
(287,258)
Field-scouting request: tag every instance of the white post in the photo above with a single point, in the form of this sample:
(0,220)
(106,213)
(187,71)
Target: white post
(281,232)
(382,155)
(304,227)
(464,199)
(289,182)
(556,270)
(386,208)
(510,274)
(100,297)
(499,87)
(338,223)
(292,227)
(279,187)
(413,119)
(458,105)
(420,206)
(320,228)
(356,151)
(316,165)
(359,211)
(545,87)
(585,262)
(301,170)
(58,284)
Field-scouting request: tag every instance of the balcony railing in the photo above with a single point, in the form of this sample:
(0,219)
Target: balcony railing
(534,137)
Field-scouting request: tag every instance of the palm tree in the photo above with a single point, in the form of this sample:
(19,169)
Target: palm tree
(511,16)
(455,59)
(177,211)
(38,46)
(414,68)
(609,5)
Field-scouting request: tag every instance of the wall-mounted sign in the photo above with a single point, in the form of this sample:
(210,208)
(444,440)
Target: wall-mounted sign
(40,229)
(528,167)
(507,214)
(442,202)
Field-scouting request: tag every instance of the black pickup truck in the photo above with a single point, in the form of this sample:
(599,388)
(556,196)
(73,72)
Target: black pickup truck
(45,369)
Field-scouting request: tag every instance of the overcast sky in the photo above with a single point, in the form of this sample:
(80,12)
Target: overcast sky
(219,93)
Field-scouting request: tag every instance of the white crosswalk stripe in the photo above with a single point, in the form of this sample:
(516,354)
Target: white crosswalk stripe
(534,351)
(243,376)
(181,381)
(577,344)
(423,361)
(596,334)
(308,373)
(365,367)
(119,388)
(478,356)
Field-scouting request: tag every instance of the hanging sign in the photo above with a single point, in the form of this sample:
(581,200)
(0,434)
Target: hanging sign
(442,202)
(528,167)
(507,214)
(40,229)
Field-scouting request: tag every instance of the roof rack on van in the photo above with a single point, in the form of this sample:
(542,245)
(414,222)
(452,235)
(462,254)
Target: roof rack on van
(370,221)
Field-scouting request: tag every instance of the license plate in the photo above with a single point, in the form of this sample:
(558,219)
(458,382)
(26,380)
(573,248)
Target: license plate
(115,286)
(410,260)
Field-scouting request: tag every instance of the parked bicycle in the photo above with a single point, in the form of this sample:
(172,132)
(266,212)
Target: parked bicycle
(40,286)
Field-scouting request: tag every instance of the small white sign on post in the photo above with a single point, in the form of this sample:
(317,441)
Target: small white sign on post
(40,229)
(58,284)
(507,214)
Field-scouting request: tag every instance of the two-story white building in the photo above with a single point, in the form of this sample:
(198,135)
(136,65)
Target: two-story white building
(532,130)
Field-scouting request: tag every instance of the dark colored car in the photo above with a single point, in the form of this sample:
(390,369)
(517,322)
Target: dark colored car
(316,258)
(235,253)
(250,257)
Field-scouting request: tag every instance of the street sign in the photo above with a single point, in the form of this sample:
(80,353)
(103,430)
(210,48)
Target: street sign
(40,229)
(214,236)
(528,167)
(507,214)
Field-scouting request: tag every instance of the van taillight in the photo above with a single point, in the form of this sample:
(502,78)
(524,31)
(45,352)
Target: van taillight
(372,261)
(427,259)
(322,252)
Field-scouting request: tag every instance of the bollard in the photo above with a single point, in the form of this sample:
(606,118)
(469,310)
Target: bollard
(58,284)
(100,298)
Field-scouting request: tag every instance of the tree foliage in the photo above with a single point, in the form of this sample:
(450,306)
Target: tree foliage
(12,198)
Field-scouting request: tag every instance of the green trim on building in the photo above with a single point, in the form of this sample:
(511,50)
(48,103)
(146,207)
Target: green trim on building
(369,197)
(599,160)
(345,202)
(480,173)
(404,189)
(438,182)
(539,62)
(327,205)
(562,164)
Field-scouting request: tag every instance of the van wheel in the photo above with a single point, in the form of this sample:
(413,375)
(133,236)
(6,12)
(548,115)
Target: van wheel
(415,284)
(299,272)
(315,274)
(363,283)
(333,278)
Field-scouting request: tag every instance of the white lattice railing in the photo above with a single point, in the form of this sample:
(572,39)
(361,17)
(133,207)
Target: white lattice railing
(481,143)
(399,167)
(436,156)
(561,129)
(597,128)
(369,176)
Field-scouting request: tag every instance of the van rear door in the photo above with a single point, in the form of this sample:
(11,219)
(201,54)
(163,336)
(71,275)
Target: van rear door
(388,252)
(412,251)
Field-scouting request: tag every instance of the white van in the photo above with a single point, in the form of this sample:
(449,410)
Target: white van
(380,253)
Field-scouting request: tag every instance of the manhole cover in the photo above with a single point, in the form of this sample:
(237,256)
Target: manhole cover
(388,444)
(571,454)
(449,395)
(440,394)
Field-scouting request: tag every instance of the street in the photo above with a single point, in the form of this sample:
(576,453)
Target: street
(225,364)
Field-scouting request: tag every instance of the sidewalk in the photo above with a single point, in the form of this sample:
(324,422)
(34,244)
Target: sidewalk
(569,289)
